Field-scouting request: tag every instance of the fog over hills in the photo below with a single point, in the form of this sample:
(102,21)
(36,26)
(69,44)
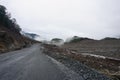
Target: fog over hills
(59,40)
(67,18)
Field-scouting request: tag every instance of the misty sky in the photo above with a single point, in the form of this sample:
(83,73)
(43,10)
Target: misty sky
(66,18)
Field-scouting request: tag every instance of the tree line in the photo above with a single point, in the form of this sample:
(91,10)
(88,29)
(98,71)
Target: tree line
(7,21)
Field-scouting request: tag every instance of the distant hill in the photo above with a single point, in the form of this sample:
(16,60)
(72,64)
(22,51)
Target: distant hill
(110,38)
(75,39)
(30,35)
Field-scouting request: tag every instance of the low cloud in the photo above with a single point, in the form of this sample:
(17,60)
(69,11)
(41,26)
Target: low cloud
(65,18)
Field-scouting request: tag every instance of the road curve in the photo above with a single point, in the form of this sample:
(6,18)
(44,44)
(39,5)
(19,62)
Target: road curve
(31,64)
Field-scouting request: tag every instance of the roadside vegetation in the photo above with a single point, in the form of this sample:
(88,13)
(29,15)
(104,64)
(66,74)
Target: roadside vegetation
(10,36)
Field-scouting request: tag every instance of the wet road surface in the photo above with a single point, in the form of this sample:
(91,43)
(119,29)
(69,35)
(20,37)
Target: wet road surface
(31,64)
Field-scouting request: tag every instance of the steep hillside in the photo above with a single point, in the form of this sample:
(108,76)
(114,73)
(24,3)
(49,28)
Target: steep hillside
(10,37)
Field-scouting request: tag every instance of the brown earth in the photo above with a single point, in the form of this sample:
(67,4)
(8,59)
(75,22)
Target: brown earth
(109,64)
(10,37)
(106,48)
(10,40)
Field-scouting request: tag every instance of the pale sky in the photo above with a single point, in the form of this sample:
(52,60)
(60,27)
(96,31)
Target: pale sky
(65,18)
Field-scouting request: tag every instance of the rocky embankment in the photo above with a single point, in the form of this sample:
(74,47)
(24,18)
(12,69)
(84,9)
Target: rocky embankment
(83,65)
(12,41)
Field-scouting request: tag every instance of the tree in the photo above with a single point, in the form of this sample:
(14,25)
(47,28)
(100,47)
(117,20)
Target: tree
(6,21)
(57,41)
(2,13)
(2,10)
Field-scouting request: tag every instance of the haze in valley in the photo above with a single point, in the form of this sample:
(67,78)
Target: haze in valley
(65,18)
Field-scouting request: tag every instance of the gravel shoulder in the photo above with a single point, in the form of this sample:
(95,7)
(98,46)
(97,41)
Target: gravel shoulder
(75,65)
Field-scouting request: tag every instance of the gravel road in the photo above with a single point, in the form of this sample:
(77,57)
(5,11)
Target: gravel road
(31,64)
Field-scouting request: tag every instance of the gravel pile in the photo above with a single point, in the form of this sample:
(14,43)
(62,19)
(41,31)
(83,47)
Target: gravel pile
(86,72)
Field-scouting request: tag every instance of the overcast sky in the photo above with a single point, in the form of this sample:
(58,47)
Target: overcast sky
(66,18)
